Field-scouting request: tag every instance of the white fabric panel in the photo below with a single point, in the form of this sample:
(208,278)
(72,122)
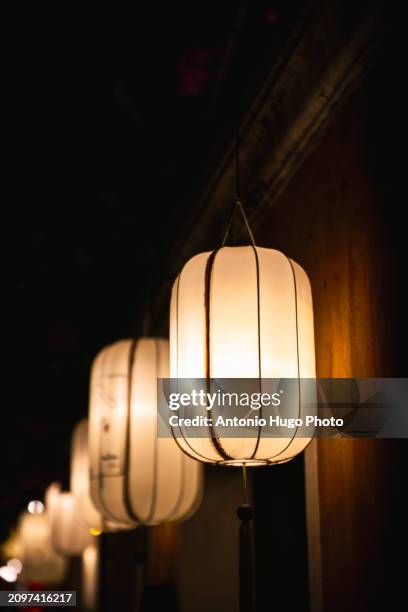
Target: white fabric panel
(151,480)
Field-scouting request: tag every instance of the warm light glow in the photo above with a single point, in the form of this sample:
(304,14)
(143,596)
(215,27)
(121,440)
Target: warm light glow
(243,312)
(15,564)
(95,532)
(11,547)
(8,573)
(35,507)
(68,534)
(135,475)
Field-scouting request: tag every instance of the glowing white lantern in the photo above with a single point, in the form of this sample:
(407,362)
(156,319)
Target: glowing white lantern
(81,482)
(242,312)
(40,562)
(135,475)
(68,535)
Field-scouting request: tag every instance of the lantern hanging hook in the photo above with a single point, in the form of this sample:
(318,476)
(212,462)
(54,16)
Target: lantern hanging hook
(238,205)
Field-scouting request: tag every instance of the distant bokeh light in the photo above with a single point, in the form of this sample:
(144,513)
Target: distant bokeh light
(35,507)
(8,573)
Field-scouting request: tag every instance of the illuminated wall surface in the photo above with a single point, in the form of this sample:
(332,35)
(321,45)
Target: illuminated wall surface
(345,237)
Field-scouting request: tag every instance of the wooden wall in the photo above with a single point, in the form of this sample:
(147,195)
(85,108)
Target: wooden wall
(334,219)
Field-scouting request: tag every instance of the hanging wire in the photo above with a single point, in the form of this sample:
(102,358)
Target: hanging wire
(237,165)
(238,205)
(237,201)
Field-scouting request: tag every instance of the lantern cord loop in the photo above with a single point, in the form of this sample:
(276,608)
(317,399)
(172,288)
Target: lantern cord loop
(238,205)
(245,514)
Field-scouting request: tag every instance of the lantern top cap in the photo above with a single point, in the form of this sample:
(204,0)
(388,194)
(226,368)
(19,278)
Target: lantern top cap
(250,248)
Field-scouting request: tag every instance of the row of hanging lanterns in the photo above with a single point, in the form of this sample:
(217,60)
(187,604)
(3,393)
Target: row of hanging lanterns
(236,312)
(46,538)
(122,474)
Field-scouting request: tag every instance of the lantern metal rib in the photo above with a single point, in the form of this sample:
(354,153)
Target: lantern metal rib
(131,357)
(297,358)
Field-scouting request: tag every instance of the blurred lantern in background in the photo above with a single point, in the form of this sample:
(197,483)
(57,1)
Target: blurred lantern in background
(40,562)
(135,475)
(243,312)
(68,534)
(80,485)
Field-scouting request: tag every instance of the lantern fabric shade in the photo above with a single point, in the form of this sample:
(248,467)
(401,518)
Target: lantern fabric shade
(69,536)
(135,475)
(242,312)
(81,483)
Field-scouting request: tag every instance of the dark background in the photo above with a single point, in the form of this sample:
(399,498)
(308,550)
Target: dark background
(115,122)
